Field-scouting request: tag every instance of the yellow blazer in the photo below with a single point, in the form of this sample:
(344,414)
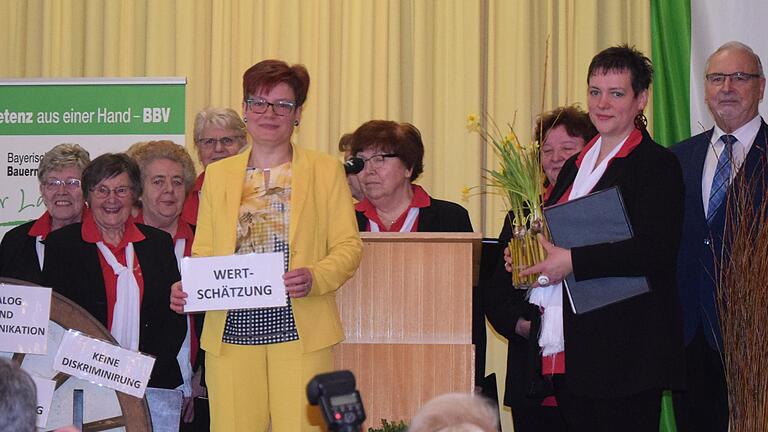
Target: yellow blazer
(323,237)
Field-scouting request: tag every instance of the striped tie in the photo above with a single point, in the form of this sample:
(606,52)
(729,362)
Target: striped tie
(721,178)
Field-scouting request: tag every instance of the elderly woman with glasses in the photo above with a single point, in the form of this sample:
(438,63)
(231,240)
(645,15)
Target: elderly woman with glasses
(275,197)
(120,271)
(23,249)
(394,157)
(219,133)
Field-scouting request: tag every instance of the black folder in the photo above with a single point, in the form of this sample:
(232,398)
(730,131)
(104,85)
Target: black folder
(599,217)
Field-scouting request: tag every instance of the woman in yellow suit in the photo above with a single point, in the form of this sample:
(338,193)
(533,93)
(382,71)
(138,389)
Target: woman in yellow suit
(275,197)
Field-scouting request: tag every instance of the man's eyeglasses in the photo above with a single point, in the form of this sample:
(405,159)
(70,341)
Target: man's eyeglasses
(102,192)
(736,78)
(70,184)
(259,105)
(377,160)
(227,141)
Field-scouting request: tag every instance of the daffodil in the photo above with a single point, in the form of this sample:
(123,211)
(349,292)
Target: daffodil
(473,123)
(518,179)
(465,193)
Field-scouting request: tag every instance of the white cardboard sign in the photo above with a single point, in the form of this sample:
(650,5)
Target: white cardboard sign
(24,314)
(233,282)
(45,388)
(103,363)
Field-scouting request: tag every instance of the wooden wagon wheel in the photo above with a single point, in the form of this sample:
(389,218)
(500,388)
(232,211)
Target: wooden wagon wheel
(132,413)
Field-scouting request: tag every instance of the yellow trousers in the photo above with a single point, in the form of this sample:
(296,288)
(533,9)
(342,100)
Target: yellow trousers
(251,385)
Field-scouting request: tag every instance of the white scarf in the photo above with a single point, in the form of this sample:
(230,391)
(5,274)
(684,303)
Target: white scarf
(178,250)
(40,250)
(184,355)
(125,317)
(550,298)
(410,219)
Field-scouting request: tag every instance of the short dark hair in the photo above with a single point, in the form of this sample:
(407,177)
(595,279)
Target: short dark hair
(345,142)
(402,139)
(108,166)
(266,74)
(18,398)
(624,58)
(574,119)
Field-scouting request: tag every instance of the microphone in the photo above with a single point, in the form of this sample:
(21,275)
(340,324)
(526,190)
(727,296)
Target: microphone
(354,165)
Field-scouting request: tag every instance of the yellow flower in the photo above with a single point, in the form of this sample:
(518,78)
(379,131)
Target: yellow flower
(473,123)
(512,136)
(465,193)
(518,147)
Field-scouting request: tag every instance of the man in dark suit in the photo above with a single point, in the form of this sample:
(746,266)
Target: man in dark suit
(733,87)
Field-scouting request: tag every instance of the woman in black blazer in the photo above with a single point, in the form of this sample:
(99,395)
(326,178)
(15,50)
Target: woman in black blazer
(393,157)
(86,262)
(618,359)
(23,248)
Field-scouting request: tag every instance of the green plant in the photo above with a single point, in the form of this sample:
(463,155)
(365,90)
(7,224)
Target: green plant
(386,426)
(519,180)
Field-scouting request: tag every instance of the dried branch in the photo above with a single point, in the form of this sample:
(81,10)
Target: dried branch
(742,299)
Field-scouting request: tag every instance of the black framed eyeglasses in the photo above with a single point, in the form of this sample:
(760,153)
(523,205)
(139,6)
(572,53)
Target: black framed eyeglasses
(70,184)
(718,78)
(377,160)
(259,105)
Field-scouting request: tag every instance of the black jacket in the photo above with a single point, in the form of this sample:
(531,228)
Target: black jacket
(72,269)
(702,242)
(440,216)
(18,257)
(636,344)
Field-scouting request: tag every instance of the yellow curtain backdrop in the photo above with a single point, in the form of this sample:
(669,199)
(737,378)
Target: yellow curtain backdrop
(428,62)
(405,60)
(517,51)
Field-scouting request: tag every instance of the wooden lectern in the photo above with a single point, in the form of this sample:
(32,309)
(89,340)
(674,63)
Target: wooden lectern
(407,316)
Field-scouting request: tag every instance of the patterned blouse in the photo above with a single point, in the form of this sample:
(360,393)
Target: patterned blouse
(265,210)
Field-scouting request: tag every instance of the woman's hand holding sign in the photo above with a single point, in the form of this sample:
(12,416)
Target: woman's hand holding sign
(177,298)
(298,282)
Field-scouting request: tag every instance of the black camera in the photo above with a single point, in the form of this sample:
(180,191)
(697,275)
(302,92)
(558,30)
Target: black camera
(339,401)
